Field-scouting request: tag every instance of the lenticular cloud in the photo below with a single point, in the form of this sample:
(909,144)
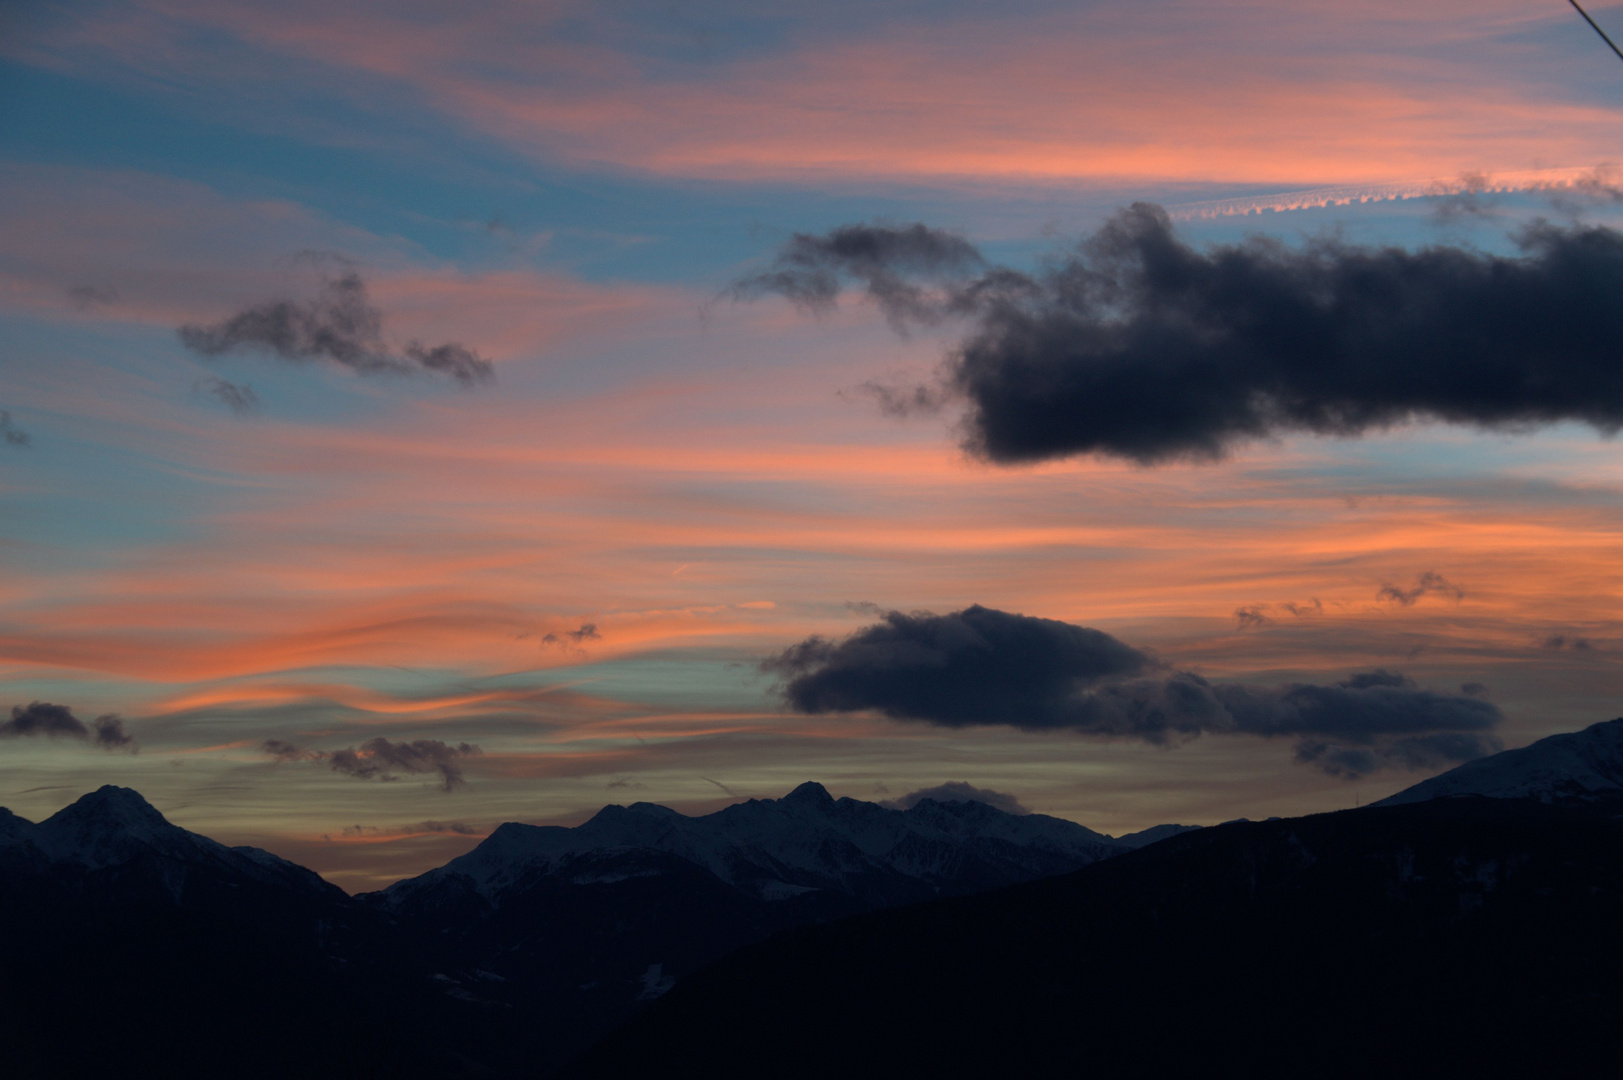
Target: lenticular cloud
(983,667)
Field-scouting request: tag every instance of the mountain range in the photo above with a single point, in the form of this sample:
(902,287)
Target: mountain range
(517,954)
(1473,933)
(514,958)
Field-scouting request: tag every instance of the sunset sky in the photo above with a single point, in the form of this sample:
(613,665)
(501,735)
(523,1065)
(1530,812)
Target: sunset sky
(574,564)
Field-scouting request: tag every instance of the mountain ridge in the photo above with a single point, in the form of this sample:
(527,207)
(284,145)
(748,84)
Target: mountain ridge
(805,840)
(1577,764)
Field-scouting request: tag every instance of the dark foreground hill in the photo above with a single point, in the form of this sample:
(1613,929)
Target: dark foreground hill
(1456,937)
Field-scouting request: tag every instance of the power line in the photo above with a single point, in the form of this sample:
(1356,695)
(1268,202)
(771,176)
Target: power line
(1597,29)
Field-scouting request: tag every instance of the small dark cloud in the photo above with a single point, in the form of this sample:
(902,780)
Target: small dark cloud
(110,733)
(1136,345)
(959,791)
(1427,584)
(85,297)
(912,272)
(58,722)
(238,397)
(13,435)
(985,667)
(458,361)
(1471,200)
(1474,689)
(1251,618)
(339,325)
(585,632)
(460,828)
(282,750)
(906,398)
(381,759)
(43,718)
(623,782)
(863,607)
(1568,641)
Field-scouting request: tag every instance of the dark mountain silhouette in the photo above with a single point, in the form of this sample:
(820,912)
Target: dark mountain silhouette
(1453,937)
(1582,764)
(133,948)
(585,925)
(810,934)
(187,958)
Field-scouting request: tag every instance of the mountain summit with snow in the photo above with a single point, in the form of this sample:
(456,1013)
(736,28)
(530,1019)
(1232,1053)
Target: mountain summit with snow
(113,830)
(1581,764)
(775,849)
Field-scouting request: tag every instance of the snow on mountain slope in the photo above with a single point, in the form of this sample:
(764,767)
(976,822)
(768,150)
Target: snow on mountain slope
(115,827)
(1582,763)
(781,847)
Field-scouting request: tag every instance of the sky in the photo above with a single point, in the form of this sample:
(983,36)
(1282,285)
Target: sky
(418,416)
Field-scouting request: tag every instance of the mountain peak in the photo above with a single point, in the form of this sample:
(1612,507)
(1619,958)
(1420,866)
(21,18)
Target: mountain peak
(110,805)
(811,793)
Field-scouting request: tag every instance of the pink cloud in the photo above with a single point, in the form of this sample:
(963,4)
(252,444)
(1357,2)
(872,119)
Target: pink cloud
(1263,93)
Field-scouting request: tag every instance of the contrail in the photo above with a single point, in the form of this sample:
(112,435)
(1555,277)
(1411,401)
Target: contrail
(1597,28)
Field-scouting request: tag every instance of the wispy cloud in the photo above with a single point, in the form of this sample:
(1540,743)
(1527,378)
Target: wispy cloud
(339,325)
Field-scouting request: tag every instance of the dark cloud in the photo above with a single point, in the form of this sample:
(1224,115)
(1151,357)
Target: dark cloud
(586,632)
(913,272)
(460,828)
(986,667)
(977,666)
(1475,689)
(58,721)
(110,733)
(381,759)
(282,750)
(238,397)
(1251,618)
(1136,345)
(1472,200)
(1568,641)
(1412,752)
(12,435)
(1426,584)
(458,361)
(43,718)
(340,325)
(1255,616)
(959,791)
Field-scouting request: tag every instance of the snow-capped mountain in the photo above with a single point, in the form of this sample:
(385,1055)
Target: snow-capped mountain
(774,849)
(1580,764)
(115,829)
